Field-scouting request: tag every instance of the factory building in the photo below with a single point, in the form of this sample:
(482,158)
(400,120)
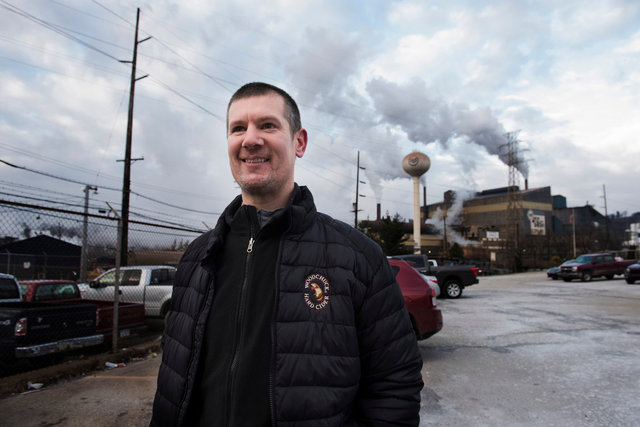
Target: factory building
(484,217)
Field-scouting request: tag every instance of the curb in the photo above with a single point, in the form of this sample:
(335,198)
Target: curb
(75,368)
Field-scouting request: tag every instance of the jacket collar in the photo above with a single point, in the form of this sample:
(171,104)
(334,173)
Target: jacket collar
(299,214)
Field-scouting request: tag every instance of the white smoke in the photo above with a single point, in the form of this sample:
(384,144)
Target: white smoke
(378,119)
(442,221)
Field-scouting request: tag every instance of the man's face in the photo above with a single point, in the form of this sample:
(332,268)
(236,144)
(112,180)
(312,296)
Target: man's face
(262,151)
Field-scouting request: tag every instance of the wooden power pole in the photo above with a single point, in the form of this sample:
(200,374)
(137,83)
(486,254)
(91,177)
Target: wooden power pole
(358,195)
(126,182)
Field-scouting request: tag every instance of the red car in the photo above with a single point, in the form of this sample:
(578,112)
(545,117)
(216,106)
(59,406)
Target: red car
(419,298)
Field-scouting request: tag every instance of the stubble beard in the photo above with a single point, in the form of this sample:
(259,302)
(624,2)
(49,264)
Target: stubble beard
(263,189)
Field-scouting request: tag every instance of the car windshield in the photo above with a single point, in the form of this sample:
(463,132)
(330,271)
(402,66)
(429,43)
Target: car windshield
(584,259)
(568,261)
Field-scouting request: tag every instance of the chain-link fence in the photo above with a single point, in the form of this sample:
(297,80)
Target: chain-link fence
(65,263)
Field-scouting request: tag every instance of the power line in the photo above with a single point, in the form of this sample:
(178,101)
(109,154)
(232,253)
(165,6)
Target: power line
(98,173)
(211,77)
(104,188)
(53,27)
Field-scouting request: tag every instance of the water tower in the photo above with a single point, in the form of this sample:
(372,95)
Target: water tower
(416,164)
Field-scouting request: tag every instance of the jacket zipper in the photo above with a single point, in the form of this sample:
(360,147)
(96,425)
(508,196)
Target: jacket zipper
(239,323)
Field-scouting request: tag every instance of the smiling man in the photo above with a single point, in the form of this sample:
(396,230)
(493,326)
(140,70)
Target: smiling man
(282,315)
(263,146)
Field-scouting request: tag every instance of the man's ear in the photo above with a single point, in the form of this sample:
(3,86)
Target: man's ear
(300,140)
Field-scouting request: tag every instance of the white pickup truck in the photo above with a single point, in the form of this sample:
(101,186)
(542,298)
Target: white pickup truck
(150,285)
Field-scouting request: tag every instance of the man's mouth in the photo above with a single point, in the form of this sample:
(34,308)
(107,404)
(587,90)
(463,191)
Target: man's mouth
(254,160)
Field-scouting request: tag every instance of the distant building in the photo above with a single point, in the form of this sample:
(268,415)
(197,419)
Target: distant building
(40,257)
(544,227)
(485,215)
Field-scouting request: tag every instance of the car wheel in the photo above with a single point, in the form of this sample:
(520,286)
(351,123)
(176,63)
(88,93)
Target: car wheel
(630,281)
(586,276)
(566,280)
(609,276)
(453,289)
(554,277)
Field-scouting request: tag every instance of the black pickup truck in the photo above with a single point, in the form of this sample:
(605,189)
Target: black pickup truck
(32,329)
(451,278)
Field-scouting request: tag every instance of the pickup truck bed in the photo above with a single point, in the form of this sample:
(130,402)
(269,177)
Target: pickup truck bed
(451,279)
(131,316)
(31,329)
(131,320)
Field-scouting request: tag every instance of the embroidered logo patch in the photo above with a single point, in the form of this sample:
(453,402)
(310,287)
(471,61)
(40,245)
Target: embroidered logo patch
(316,291)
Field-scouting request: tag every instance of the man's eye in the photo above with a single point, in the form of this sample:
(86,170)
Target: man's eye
(268,126)
(237,129)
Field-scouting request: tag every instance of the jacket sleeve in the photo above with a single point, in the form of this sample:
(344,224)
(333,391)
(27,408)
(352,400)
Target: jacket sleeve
(391,363)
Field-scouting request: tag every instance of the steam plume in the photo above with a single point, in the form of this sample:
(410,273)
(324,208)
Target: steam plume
(426,119)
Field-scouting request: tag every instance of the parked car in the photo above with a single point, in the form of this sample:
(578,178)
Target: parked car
(632,273)
(554,272)
(131,316)
(32,329)
(452,279)
(433,281)
(588,266)
(150,285)
(419,298)
(9,289)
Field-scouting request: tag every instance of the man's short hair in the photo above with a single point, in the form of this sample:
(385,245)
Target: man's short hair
(249,90)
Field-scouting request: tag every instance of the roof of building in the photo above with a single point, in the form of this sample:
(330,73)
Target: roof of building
(42,244)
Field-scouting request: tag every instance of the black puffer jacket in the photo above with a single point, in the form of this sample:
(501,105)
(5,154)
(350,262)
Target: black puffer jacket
(345,355)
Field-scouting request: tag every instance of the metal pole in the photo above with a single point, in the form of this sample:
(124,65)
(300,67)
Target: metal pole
(85,225)
(116,286)
(116,291)
(606,216)
(573,223)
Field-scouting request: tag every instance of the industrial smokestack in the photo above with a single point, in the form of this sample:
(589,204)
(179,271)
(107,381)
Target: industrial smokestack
(416,164)
(378,214)
(526,184)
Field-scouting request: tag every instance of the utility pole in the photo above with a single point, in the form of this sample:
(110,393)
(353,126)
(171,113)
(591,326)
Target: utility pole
(606,217)
(85,226)
(358,195)
(573,226)
(126,182)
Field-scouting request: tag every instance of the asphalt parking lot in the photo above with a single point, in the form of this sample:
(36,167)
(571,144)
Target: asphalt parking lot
(515,350)
(526,350)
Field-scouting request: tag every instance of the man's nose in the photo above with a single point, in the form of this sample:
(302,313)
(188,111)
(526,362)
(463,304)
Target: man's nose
(252,137)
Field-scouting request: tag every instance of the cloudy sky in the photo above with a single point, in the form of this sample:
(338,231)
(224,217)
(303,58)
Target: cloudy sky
(447,78)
